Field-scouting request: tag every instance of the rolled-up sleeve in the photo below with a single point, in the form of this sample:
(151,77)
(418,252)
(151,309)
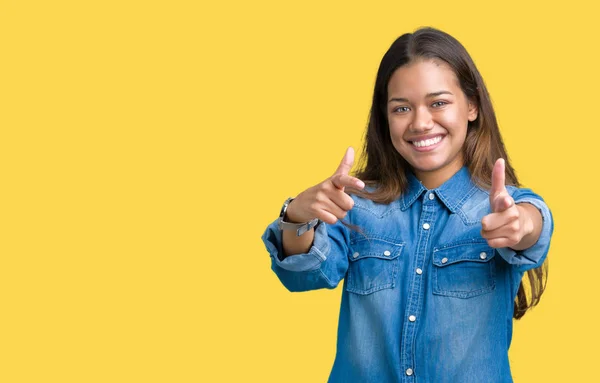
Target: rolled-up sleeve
(324,266)
(535,255)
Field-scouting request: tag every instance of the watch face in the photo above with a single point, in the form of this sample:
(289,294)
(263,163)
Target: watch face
(282,212)
(284,207)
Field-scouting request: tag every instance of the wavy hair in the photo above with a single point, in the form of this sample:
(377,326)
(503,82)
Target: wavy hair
(383,168)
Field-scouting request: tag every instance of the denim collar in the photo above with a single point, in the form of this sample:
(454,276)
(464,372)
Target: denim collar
(452,193)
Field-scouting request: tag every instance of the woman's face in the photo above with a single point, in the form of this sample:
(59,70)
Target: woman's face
(428,114)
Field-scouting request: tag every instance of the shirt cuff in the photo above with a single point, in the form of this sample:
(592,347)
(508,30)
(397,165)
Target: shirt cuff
(273,240)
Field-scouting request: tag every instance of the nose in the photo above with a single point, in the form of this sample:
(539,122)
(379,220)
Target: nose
(422,120)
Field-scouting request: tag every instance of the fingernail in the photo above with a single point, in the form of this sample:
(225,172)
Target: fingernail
(360,184)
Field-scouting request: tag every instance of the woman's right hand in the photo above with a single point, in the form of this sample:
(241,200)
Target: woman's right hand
(327,200)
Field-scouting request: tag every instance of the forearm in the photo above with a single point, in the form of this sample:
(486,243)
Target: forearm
(292,244)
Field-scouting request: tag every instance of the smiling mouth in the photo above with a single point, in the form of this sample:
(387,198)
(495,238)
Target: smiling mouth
(426,143)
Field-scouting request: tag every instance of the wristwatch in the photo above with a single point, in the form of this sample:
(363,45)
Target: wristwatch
(300,228)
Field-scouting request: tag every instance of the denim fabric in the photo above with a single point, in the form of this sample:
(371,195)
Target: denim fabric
(425,299)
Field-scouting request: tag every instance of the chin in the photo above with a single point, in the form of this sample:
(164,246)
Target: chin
(428,166)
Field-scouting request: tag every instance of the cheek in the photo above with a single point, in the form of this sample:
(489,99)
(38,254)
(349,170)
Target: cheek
(397,138)
(397,129)
(452,118)
(455,120)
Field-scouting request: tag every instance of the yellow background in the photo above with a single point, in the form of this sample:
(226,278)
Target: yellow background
(145,146)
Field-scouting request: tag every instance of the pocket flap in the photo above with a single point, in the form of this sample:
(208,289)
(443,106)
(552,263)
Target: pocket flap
(474,252)
(375,248)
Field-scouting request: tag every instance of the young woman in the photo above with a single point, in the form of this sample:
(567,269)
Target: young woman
(432,236)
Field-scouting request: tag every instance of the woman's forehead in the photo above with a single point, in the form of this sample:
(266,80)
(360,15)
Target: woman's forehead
(422,77)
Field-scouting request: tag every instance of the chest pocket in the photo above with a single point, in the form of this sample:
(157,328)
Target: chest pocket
(464,270)
(373,265)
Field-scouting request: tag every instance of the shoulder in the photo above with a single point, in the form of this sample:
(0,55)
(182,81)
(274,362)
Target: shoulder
(519,194)
(476,204)
(363,205)
(377,221)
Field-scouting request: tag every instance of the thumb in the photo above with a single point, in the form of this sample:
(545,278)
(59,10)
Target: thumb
(347,162)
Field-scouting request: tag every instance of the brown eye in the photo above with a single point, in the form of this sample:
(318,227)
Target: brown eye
(439,103)
(401,109)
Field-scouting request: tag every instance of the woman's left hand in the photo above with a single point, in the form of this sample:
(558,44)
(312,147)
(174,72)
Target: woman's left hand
(508,223)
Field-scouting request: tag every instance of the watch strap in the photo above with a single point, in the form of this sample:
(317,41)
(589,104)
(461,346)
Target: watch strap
(300,228)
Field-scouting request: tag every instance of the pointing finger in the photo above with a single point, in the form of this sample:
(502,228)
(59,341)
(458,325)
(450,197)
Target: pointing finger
(502,202)
(495,220)
(342,180)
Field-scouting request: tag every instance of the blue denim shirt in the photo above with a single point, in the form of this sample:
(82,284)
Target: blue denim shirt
(425,299)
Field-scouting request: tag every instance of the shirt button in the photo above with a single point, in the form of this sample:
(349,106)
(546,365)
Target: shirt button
(483,255)
(444,260)
(431,196)
(426,226)
(419,271)
(387,253)
(355,255)
(409,371)
(412,318)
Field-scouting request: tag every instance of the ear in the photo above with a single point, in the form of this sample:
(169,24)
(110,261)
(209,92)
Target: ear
(473,111)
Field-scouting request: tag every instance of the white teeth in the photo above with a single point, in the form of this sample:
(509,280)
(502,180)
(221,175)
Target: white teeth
(429,142)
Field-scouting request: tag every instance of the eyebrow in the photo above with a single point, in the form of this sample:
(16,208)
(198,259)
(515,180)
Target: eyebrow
(429,95)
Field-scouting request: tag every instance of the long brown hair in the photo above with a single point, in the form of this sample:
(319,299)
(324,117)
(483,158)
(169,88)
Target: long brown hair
(383,168)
